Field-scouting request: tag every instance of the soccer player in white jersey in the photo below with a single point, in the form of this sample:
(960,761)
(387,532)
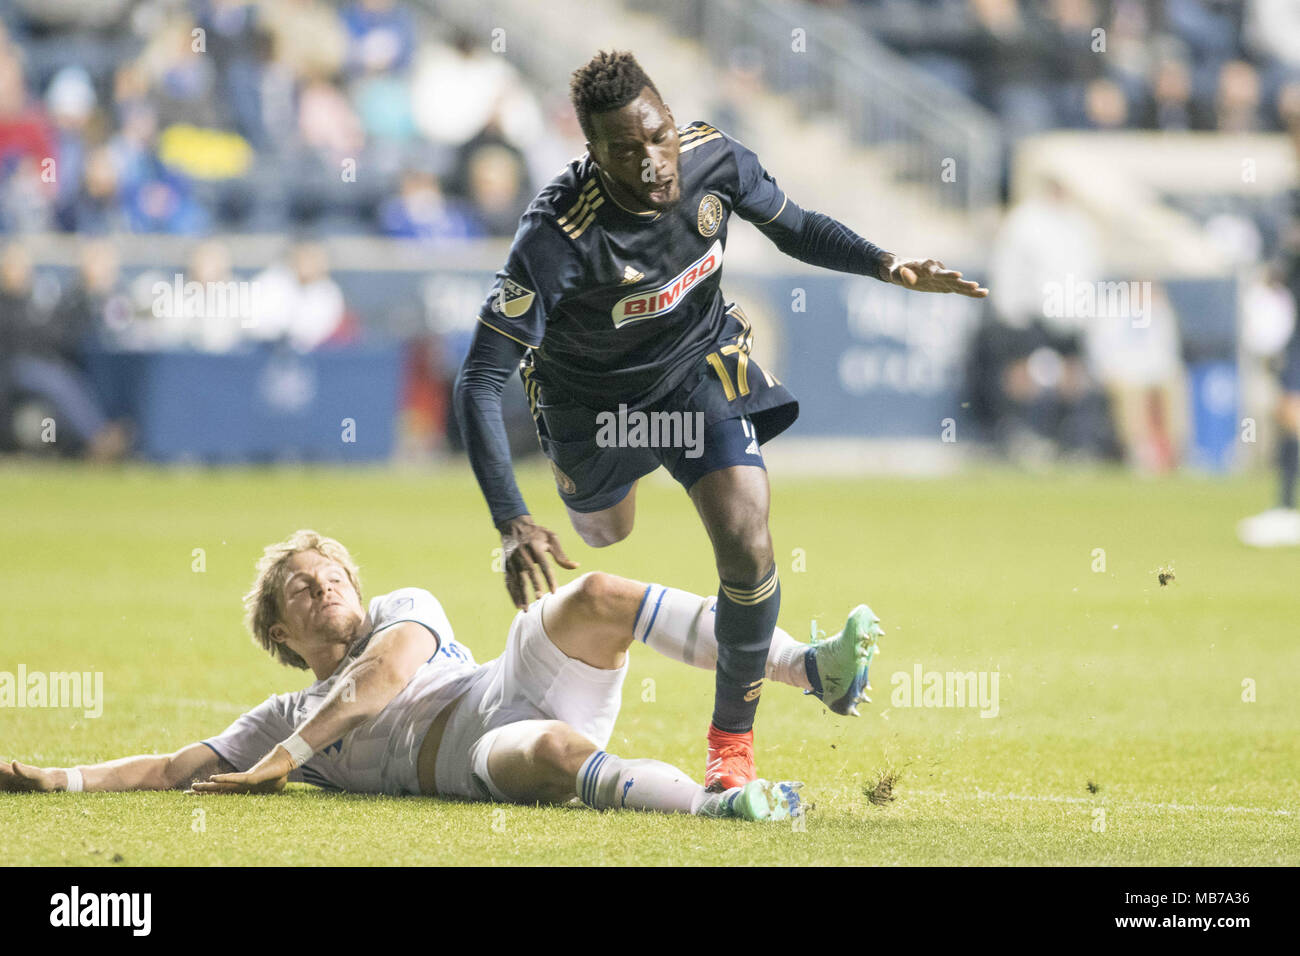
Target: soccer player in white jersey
(399,706)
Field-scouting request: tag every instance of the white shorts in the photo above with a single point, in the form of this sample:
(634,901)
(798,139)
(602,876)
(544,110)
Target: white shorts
(531,680)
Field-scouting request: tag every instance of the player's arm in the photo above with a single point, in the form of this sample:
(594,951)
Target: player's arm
(364,689)
(542,267)
(819,240)
(492,358)
(144,772)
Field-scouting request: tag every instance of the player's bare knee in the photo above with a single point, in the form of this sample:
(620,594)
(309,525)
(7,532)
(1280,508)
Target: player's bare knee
(604,602)
(596,590)
(744,555)
(604,535)
(560,751)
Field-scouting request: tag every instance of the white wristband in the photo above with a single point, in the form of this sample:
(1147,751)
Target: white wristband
(299,750)
(75,782)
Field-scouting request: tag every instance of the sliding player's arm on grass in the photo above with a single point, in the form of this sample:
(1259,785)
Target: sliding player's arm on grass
(822,241)
(362,691)
(145,772)
(541,266)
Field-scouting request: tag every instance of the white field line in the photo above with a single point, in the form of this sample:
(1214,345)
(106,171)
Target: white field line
(1096,802)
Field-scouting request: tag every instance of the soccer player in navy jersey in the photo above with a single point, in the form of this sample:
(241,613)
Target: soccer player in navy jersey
(609,305)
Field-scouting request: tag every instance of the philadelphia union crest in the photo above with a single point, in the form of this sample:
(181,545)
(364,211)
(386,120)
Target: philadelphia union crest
(709,218)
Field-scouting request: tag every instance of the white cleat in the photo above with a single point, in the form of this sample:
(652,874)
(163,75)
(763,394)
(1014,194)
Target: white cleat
(1278,528)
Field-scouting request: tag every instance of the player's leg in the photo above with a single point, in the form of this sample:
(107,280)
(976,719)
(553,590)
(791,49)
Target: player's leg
(592,618)
(596,617)
(600,529)
(681,625)
(565,661)
(548,761)
(1280,526)
(733,505)
(596,482)
(1288,448)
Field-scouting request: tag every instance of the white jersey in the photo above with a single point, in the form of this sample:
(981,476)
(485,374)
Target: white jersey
(380,755)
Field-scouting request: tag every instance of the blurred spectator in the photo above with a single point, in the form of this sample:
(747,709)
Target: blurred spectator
(1031,380)
(457,90)
(498,188)
(1103,64)
(95,208)
(307,37)
(39,357)
(221,327)
(381,36)
(1169,105)
(327,122)
(137,120)
(1212,28)
(93,305)
(1136,357)
(421,211)
(1236,105)
(1105,105)
(297,301)
(163,201)
(27,147)
(384,104)
(70,101)
(237,45)
(1273,30)
(182,83)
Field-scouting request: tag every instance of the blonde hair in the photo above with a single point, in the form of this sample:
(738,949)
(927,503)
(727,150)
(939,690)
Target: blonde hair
(264,602)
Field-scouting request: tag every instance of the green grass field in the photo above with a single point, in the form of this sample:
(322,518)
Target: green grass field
(1121,737)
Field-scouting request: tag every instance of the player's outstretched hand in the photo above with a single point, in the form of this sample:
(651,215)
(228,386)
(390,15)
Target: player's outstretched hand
(524,547)
(18,777)
(928,275)
(269,775)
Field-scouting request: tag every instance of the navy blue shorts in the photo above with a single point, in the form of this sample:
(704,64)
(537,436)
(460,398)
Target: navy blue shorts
(716,417)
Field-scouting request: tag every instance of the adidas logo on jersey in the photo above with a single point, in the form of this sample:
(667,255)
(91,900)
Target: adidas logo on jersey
(644,305)
(630,275)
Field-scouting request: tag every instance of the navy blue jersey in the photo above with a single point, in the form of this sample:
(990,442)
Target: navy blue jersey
(618,305)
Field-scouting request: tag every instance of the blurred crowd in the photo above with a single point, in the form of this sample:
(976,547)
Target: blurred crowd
(1104,385)
(313,118)
(1227,65)
(51,324)
(194,116)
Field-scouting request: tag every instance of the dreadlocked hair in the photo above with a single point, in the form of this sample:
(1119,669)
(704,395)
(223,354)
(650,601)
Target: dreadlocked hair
(608,82)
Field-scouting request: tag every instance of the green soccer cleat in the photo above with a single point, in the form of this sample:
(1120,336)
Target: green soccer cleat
(758,800)
(837,666)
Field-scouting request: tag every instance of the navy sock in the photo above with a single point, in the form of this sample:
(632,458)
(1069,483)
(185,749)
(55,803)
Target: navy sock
(1289,465)
(744,622)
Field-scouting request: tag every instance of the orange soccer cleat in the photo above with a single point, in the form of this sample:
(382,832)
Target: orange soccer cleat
(730,761)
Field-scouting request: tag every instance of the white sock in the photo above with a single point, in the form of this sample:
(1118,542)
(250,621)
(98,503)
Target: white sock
(679,625)
(607,782)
